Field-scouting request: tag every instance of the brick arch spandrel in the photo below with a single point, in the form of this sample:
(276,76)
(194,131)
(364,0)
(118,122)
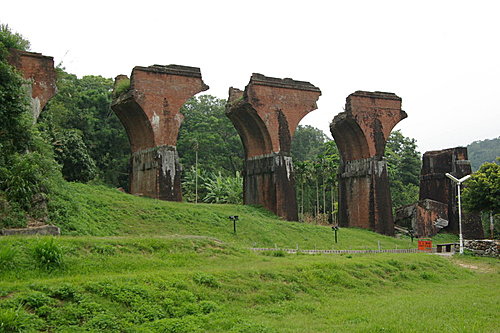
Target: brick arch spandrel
(137,125)
(253,132)
(350,139)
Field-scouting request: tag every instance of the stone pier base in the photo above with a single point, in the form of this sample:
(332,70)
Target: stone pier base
(156,173)
(268,180)
(365,200)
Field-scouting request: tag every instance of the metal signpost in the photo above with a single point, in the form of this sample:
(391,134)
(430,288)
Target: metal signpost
(234,218)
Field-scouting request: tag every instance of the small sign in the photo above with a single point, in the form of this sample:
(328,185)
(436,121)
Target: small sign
(425,244)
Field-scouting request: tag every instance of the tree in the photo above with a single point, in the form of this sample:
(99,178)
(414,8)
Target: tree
(403,163)
(219,146)
(15,119)
(307,143)
(28,172)
(72,153)
(482,191)
(12,40)
(82,108)
(316,160)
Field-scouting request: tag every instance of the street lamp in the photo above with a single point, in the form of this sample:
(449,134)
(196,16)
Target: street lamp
(459,182)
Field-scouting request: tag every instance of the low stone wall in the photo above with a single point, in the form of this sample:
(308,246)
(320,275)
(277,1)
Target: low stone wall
(42,230)
(484,247)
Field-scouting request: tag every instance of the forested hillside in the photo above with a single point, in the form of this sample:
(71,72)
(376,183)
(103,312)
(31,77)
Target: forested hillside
(483,151)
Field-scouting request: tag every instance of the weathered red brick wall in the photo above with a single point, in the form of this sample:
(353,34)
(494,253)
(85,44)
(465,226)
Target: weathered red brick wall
(422,217)
(266,115)
(150,113)
(436,186)
(361,133)
(39,70)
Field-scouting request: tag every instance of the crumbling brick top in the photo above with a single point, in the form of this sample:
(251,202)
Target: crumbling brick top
(150,108)
(362,130)
(267,113)
(459,151)
(262,80)
(172,69)
(376,94)
(15,54)
(39,69)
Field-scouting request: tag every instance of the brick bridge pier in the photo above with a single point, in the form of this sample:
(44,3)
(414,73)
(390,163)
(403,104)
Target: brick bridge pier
(150,113)
(361,133)
(266,115)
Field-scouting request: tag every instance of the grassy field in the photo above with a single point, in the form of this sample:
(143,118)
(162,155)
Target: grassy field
(153,266)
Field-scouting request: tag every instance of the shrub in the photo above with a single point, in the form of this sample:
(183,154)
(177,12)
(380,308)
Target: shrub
(66,292)
(11,215)
(104,322)
(221,189)
(48,254)
(35,300)
(205,279)
(188,324)
(7,255)
(121,87)
(208,307)
(17,320)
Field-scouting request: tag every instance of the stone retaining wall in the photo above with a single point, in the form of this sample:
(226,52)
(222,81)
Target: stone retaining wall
(484,247)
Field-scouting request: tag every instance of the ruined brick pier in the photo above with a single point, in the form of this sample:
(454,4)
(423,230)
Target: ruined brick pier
(150,113)
(361,133)
(436,186)
(266,115)
(39,71)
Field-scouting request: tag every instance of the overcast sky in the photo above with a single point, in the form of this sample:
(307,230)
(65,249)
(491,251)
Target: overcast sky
(441,57)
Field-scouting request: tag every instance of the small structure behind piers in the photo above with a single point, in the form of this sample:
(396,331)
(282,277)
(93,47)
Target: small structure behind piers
(150,112)
(361,133)
(266,115)
(436,186)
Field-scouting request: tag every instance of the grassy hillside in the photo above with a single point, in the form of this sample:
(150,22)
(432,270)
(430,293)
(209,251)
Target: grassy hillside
(194,284)
(128,264)
(101,211)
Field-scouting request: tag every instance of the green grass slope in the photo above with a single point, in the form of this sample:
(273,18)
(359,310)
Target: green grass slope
(195,284)
(129,264)
(101,211)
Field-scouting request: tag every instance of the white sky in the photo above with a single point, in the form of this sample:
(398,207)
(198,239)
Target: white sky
(442,57)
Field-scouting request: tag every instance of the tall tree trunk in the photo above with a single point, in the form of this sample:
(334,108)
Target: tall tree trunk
(196,177)
(302,201)
(324,196)
(333,204)
(492,225)
(317,196)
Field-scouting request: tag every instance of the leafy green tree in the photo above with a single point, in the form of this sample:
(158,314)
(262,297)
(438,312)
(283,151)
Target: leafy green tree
(15,120)
(307,143)
(28,172)
(219,146)
(72,153)
(316,160)
(482,191)
(83,106)
(11,40)
(403,163)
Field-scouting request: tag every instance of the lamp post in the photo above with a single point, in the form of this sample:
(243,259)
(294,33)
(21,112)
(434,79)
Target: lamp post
(459,182)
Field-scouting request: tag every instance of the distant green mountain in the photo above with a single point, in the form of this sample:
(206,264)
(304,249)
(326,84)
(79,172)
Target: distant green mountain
(483,151)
